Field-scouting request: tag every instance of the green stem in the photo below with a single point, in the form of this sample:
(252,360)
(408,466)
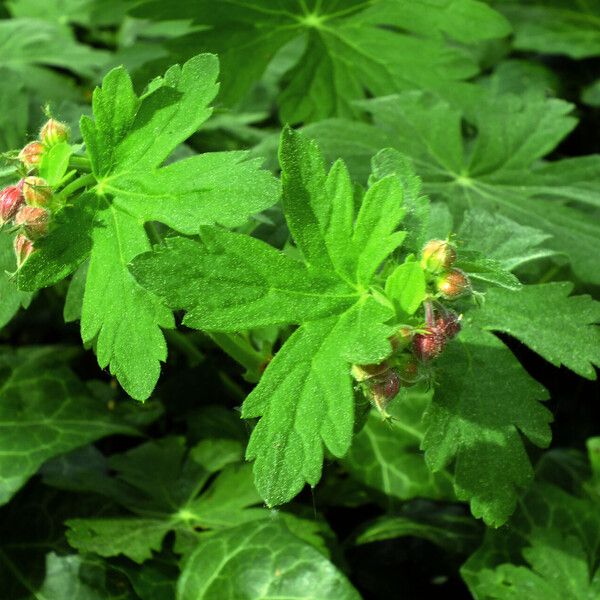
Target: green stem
(183,344)
(82,163)
(153,233)
(241,351)
(77,185)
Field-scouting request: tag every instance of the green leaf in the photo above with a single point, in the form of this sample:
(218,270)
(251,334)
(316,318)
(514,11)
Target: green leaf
(502,239)
(11,299)
(386,457)
(555,26)
(28,47)
(444,527)
(406,286)
(176,496)
(500,170)
(55,162)
(488,270)
(282,566)
(485,399)
(549,550)
(128,140)
(305,397)
(44,411)
(348,53)
(560,328)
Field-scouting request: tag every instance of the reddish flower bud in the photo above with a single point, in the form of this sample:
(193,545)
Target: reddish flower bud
(385,389)
(437,256)
(429,345)
(23,248)
(448,324)
(453,284)
(11,199)
(31,155)
(53,132)
(36,191)
(33,220)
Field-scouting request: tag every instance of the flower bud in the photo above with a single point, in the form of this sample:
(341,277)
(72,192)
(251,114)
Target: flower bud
(409,370)
(429,345)
(364,372)
(401,339)
(23,248)
(448,324)
(53,132)
(437,256)
(36,191)
(11,198)
(31,155)
(385,389)
(453,284)
(33,220)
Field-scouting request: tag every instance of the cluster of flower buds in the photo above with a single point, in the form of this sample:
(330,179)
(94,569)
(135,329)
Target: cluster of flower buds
(51,133)
(437,259)
(27,204)
(441,327)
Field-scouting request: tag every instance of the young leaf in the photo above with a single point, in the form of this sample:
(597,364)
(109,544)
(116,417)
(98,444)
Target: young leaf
(348,51)
(484,400)
(44,411)
(282,565)
(305,397)
(500,170)
(127,141)
(406,285)
(561,328)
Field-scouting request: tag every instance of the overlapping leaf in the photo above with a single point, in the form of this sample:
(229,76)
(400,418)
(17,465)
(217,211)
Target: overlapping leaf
(349,48)
(127,142)
(44,411)
(484,402)
(500,170)
(305,397)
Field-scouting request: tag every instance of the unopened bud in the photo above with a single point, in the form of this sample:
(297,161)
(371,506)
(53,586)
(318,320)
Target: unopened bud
(453,284)
(53,132)
(31,155)
(409,370)
(33,220)
(364,372)
(448,324)
(437,256)
(429,345)
(36,191)
(23,248)
(385,389)
(11,198)
(401,339)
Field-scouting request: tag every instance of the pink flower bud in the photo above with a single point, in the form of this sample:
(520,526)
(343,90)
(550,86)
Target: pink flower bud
(453,284)
(364,372)
(31,155)
(448,324)
(23,249)
(11,199)
(33,220)
(36,191)
(385,389)
(437,256)
(53,132)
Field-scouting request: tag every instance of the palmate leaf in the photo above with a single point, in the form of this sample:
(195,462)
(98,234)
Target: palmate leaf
(282,566)
(305,398)
(561,328)
(484,401)
(127,142)
(44,411)
(548,551)
(350,48)
(500,170)
(555,26)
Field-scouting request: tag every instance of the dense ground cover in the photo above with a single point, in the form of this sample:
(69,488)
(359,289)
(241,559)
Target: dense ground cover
(297,299)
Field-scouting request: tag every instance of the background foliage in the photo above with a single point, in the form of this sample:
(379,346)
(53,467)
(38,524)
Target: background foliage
(207,237)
